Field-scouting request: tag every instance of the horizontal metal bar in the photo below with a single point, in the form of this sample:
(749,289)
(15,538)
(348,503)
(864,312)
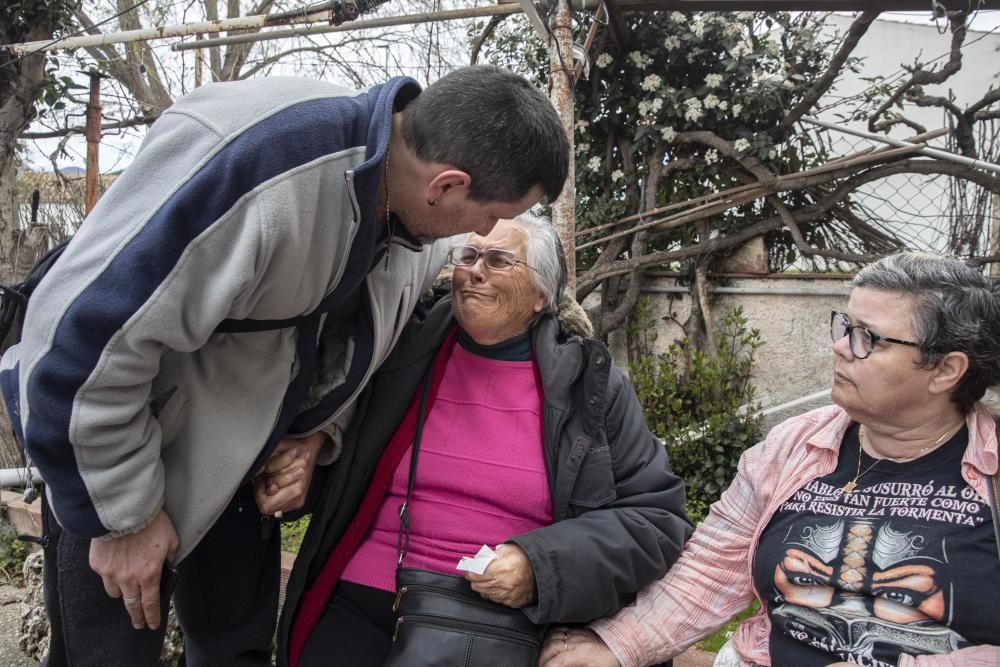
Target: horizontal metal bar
(930,152)
(18,477)
(350,26)
(761,291)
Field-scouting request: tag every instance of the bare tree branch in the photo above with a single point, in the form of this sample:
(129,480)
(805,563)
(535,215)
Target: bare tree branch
(494,23)
(900,120)
(991,97)
(80,129)
(920,76)
(854,34)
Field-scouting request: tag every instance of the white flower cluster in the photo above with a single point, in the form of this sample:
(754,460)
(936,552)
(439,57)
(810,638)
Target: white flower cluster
(694,110)
(737,109)
(583,148)
(651,83)
(732,29)
(744,16)
(582,125)
(671,42)
(668,134)
(713,80)
(694,53)
(677,17)
(640,60)
(698,28)
(617,175)
(741,145)
(594,164)
(604,60)
(771,43)
(744,48)
(711,101)
(711,156)
(650,107)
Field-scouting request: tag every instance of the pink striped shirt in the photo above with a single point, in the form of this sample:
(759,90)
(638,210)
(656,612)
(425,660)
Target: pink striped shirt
(712,581)
(481,474)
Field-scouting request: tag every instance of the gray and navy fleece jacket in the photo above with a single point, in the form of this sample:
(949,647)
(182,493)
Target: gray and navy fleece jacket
(247,201)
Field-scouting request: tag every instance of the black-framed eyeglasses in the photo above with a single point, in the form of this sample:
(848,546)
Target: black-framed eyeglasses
(861,339)
(496,259)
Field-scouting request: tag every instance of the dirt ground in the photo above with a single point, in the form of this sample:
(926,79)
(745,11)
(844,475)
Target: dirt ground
(10,619)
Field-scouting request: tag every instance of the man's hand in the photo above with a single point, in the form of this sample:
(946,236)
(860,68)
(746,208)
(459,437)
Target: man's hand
(283,484)
(130,567)
(508,580)
(566,647)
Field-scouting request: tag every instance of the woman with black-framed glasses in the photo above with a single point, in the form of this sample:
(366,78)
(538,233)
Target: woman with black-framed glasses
(865,528)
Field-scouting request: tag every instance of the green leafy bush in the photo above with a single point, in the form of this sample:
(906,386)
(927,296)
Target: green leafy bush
(702,405)
(13,551)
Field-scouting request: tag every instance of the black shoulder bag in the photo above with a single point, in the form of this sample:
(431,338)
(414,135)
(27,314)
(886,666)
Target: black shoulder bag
(440,620)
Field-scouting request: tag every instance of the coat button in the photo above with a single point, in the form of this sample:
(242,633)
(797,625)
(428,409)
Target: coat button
(593,399)
(599,359)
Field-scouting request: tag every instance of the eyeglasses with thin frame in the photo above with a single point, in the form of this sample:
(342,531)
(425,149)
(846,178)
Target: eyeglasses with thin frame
(496,259)
(861,339)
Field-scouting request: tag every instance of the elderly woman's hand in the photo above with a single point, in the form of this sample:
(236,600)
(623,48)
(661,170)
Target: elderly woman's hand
(565,647)
(509,580)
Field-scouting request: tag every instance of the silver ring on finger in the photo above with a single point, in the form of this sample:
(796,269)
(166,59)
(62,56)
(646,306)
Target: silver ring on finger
(131,600)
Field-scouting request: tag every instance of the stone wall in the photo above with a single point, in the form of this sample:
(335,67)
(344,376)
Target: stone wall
(793,316)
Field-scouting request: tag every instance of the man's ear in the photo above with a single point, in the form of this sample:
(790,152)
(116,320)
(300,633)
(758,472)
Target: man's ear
(445,181)
(948,371)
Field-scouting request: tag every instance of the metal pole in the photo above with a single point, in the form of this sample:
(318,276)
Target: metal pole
(930,152)
(19,477)
(995,235)
(561,83)
(93,133)
(198,57)
(426,17)
(181,30)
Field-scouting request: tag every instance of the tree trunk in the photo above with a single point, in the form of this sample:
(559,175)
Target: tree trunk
(19,88)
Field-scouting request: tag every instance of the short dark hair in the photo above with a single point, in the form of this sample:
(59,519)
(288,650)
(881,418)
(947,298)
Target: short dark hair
(957,309)
(493,125)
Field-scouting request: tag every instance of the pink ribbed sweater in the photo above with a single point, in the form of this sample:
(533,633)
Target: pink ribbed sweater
(480,476)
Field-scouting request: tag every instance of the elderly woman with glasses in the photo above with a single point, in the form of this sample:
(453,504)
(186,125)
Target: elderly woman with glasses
(530,441)
(864,529)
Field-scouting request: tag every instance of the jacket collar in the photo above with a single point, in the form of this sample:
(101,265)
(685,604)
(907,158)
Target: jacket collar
(382,101)
(559,361)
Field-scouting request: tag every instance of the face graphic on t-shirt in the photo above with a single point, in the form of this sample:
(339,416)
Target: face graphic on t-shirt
(853,584)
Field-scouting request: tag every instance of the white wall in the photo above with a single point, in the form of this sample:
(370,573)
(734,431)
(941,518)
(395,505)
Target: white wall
(913,206)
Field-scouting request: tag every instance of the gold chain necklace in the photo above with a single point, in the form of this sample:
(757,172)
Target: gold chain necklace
(863,435)
(853,484)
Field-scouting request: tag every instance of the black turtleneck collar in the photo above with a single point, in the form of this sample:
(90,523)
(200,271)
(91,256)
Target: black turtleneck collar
(517,348)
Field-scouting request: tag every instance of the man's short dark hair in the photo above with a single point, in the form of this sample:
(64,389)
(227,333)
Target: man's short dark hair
(493,125)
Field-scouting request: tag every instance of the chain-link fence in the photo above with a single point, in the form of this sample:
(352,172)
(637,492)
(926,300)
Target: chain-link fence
(934,213)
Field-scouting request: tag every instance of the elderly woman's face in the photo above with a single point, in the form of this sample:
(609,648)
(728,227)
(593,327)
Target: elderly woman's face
(889,386)
(491,305)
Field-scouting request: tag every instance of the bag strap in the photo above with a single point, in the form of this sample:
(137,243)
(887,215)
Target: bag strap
(996,491)
(403,538)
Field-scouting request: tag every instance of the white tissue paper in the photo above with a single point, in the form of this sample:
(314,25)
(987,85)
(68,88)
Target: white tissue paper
(477,564)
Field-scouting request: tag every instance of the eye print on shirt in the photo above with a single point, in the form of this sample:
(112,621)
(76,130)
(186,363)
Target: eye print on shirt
(804,579)
(907,594)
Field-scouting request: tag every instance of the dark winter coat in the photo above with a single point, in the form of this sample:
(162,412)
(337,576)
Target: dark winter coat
(619,519)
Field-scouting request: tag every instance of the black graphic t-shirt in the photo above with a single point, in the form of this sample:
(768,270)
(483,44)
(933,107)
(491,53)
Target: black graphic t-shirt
(905,563)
